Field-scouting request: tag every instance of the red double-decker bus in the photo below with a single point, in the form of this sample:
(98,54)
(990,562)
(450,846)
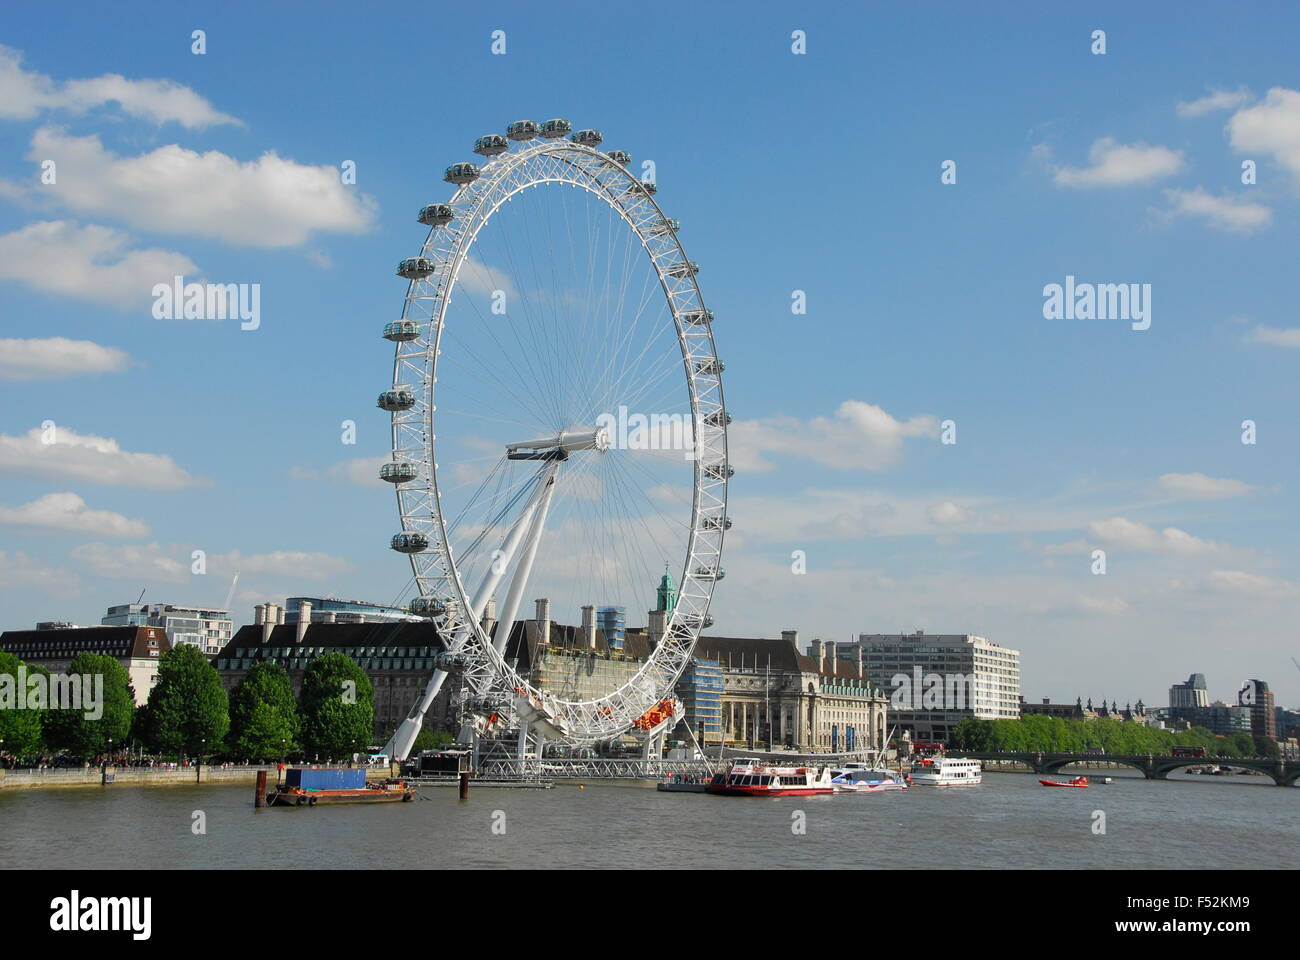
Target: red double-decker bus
(1188,751)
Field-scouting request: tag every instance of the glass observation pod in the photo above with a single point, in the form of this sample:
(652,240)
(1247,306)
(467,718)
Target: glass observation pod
(401,331)
(461,173)
(686,268)
(648,187)
(709,368)
(447,660)
(399,472)
(428,607)
(690,620)
(415,268)
(395,400)
(716,471)
(696,317)
(436,214)
(409,542)
(708,573)
(588,138)
(558,127)
(668,225)
(491,145)
(718,419)
(717,523)
(522,130)
(620,157)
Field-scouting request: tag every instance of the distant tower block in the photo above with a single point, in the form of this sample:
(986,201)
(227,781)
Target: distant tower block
(657,625)
(589,626)
(543,620)
(613,623)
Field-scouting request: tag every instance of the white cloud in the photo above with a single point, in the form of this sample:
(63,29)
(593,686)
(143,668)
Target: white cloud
(304,566)
(1271,127)
(73,456)
(362,471)
(25,94)
(1239,581)
(267,202)
(19,570)
(947,514)
(143,563)
(68,513)
(861,436)
(1275,336)
(89,263)
(1226,213)
(1197,486)
(1215,100)
(51,357)
(1137,536)
(1118,165)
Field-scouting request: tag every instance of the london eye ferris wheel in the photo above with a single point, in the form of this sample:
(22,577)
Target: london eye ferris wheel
(558,424)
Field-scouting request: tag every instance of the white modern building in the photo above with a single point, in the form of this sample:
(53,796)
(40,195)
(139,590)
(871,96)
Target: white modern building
(207,628)
(934,681)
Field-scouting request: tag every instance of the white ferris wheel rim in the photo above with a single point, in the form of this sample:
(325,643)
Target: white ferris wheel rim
(540,162)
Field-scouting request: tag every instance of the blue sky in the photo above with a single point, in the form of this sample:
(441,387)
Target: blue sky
(817,172)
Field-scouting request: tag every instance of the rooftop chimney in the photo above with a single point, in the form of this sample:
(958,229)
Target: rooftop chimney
(791,637)
(259,614)
(861,668)
(589,627)
(268,621)
(818,654)
(830,658)
(543,620)
(304,619)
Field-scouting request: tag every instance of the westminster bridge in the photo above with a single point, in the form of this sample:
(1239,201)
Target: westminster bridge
(1285,773)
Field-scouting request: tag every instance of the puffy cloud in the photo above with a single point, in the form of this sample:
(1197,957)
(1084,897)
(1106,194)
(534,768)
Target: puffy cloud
(1197,486)
(363,471)
(68,513)
(51,357)
(1226,213)
(861,436)
(24,94)
(947,514)
(1215,100)
(19,570)
(1271,127)
(1137,536)
(139,562)
(267,202)
(87,262)
(1275,336)
(1119,165)
(299,565)
(1239,581)
(61,454)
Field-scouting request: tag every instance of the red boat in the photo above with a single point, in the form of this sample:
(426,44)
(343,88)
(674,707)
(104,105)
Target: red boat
(756,778)
(1076,782)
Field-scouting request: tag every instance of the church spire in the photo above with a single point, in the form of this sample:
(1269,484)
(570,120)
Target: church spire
(666,593)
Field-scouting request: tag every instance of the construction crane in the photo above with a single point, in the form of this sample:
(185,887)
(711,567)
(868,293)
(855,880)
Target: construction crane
(230,593)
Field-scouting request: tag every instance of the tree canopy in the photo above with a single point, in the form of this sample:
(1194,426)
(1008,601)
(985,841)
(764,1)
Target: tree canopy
(337,706)
(264,719)
(188,709)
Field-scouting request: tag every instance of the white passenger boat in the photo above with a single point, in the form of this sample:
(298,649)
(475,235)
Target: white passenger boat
(860,778)
(947,772)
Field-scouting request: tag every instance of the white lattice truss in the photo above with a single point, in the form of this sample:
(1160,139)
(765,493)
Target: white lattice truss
(489,681)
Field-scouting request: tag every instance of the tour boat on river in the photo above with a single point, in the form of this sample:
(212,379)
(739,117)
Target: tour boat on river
(860,778)
(751,777)
(947,772)
(1076,782)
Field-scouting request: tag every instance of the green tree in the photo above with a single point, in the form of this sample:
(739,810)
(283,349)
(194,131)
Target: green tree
(338,707)
(188,709)
(20,729)
(264,719)
(73,731)
(436,740)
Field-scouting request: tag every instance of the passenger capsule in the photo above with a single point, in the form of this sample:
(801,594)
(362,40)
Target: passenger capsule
(491,145)
(620,157)
(396,400)
(718,419)
(696,317)
(695,621)
(436,214)
(416,268)
(399,472)
(709,368)
(686,268)
(461,173)
(428,607)
(717,523)
(667,225)
(558,127)
(718,471)
(588,138)
(709,573)
(409,542)
(522,130)
(401,331)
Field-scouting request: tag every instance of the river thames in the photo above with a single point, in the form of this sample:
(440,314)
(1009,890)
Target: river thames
(1007,822)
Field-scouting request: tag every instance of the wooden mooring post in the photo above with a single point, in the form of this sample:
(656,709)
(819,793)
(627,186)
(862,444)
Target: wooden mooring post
(259,793)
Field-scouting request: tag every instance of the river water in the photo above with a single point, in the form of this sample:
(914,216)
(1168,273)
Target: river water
(1008,821)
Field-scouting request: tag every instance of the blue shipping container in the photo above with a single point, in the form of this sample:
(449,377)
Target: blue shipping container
(325,779)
